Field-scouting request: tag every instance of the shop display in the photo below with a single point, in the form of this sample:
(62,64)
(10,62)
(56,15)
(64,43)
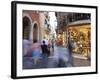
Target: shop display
(81,36)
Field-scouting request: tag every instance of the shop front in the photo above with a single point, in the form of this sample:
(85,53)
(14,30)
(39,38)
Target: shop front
(81,35)
(61,38)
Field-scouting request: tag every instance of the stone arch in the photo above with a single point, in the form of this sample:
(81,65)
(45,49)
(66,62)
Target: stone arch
(27,23)
(35,29)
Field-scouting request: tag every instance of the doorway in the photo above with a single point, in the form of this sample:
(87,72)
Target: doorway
(26,27)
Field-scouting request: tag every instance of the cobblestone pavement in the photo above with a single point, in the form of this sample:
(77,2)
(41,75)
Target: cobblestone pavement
(59,58)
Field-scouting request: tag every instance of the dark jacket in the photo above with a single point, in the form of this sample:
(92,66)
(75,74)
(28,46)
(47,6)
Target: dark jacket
(44,49)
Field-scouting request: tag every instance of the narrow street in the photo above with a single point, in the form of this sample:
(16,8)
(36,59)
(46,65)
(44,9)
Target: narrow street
(57,28)
(58,58)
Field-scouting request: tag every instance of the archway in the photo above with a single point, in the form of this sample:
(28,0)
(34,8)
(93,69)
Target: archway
(26,27)
(35,32)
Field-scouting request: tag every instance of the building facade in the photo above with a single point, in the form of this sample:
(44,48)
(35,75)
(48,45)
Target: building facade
(62,21)
(35,25)
(78,27)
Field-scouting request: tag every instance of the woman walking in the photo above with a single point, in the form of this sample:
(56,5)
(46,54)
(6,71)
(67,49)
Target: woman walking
(36,51)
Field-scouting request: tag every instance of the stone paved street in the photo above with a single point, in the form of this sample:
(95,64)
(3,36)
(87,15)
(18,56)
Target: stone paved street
(60,58)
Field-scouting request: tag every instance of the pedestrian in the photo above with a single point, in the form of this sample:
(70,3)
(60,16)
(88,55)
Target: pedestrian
(46,41)
(45,50)
(52,45)
(70,47)
(26,45)
(36,48)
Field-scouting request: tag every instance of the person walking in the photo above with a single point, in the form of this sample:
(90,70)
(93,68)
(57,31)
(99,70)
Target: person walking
(26,45)
(45,50)
(36,48)
(46,41)
(52,45)
(70,46)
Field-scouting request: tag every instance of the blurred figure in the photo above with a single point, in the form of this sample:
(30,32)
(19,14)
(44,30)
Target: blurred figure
(45,49)
(49,43)
(46,41)
(52,45)
(70,46)
(26,45)
(36,48)
(49,46)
